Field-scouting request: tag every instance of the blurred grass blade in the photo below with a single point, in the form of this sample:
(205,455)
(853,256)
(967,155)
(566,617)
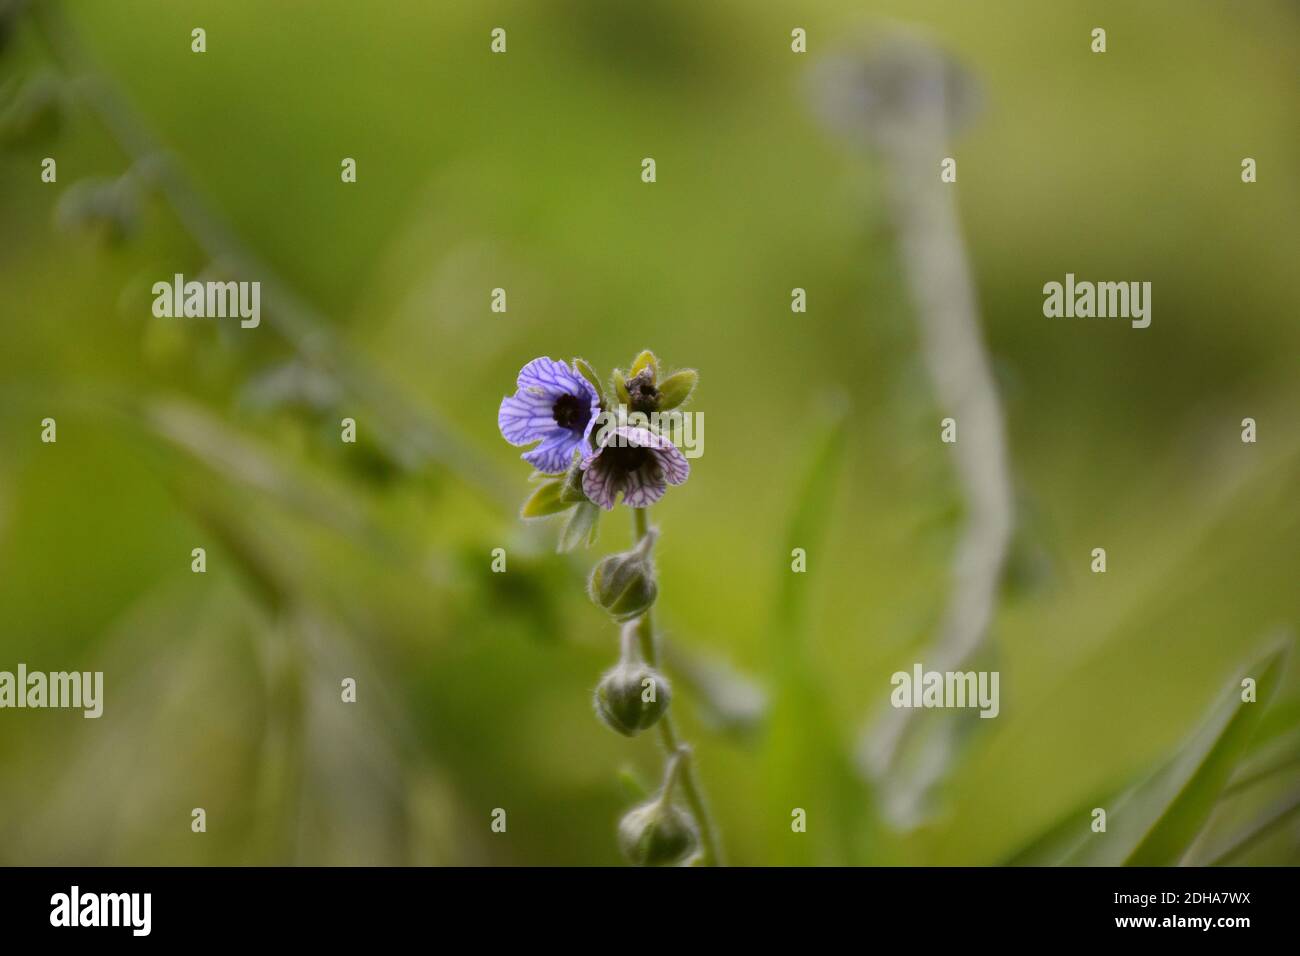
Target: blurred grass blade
(810,515)
(1251,837)
(242,460)
(1156,822)
(1267,763)
(247,551)
(1061,840)
(809,760)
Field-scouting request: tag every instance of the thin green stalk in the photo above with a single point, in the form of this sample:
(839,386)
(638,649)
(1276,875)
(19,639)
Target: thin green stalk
(710,848)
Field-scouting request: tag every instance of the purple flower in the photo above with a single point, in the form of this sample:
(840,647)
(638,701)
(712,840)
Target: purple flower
(636,462)
(553,404)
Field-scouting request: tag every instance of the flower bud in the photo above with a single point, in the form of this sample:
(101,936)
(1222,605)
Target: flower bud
(632,697)
(646,360)
(657,833)
(642,393)
(624,583)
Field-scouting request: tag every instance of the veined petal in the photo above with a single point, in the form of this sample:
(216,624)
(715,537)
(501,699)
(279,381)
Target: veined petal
(525,417)
(551,378)
(643,488)
(600,482)
(676,468)
(553,455)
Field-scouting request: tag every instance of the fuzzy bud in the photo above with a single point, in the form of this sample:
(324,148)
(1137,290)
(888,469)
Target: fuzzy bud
(642,393)
(657,833)
(632,696)
(624,583)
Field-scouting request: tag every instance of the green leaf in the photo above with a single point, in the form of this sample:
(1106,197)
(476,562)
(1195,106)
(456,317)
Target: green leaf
(1155,823)
(545,501)
(581,528)
(677,388)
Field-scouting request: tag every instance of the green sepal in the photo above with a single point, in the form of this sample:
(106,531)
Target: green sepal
(619,379)
(571,488)
(677,388)
(590,375)
(648,360)
(581,528)
(546,500)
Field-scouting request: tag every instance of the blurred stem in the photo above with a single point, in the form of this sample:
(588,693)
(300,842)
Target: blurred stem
(412,437)
(909,751)
(710,848)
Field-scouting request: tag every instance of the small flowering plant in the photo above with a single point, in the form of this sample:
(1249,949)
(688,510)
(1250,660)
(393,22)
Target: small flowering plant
(587,460)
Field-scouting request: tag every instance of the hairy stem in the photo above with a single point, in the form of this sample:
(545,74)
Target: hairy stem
(710,848)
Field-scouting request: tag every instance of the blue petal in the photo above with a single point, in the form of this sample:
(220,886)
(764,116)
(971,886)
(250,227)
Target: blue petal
(524,418)
(550,378)
(554,455)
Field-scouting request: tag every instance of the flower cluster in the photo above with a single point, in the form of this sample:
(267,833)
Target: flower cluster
(588,459)
(585,455)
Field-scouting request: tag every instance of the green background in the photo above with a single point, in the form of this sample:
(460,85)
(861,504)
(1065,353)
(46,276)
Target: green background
(522,171)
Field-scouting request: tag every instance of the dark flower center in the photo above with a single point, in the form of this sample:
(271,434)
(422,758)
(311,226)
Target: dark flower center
(641,392)
(625,459)
(570,412)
